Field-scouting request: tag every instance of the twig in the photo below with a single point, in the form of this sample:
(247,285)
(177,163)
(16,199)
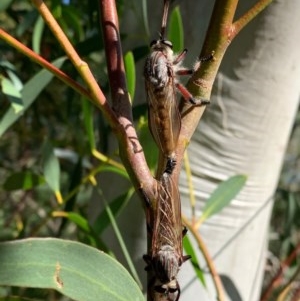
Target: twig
(220,34)
(208,259)
(249,15)
(131,151)
(44,63)
(286,263)
(81,66)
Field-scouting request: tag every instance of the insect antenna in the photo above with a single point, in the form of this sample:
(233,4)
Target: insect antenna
(164,19)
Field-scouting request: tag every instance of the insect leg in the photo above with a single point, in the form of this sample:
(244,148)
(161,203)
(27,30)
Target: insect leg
(200,60)
(186,257)
(171,163)
(184,231)
(189,97)
(185,72)
(180,57)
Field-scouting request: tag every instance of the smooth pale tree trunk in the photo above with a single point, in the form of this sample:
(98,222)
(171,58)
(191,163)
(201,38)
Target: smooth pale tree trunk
(245,131)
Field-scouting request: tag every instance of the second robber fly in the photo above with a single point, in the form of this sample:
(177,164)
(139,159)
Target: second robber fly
(161,72)
(165,257)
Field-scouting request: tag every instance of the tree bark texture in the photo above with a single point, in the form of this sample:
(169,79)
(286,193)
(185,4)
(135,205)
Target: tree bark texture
(245,131)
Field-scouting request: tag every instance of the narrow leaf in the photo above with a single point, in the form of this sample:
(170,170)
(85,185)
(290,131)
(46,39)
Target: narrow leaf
(77,271)
(188,247)
(37,34)
(29,93)
(51,169)
(103,220)
(76,218)
(4,4)
(89,122)
(175,32)
(12,93)
(222,196)
(24,180)
(114,169)
(130,73)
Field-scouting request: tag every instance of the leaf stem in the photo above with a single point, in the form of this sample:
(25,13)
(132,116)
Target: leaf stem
(249,15)
(44,63)
(119,238)
(81,66)
(216,278)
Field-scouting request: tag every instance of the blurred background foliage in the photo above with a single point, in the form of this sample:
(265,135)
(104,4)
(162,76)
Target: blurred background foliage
(63,128)
(48,155)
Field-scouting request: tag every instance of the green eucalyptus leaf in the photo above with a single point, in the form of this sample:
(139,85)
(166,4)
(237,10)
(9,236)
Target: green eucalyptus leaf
(89,122)
(29,93)
(24,180)
(38,34)
(114,169)
(188,247)
(51,169)
(222,196)
(130,73)
(175,32)
(103,220)
(77,271)
(4,4)
(12,93)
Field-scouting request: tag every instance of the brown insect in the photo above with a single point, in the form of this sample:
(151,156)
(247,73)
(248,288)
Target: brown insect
(161,72)
(166,256)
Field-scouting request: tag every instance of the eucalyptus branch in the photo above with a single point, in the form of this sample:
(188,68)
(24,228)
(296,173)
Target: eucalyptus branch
(44,63)
(131,151)
(220,34)
(81,66)
(249,15)
(276,279)
(288,286)
(215,276)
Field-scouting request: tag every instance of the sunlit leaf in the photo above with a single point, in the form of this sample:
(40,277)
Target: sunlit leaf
(222,196)
(12,93)
(29,94)
(175,31)
(188,247)
(38,34)
(109,168)
(77,271)
(51,169)
(130,73)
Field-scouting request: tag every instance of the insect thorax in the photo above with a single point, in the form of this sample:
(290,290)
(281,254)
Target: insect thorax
(159,66)
(166,264)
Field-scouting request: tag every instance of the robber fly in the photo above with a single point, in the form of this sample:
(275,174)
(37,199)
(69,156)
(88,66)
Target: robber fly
(166,256)
(161,72)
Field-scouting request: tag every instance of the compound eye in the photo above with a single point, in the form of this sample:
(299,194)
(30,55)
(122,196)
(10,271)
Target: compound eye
(153,43)
(167,43)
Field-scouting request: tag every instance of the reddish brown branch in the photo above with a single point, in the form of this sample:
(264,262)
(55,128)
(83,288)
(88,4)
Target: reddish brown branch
(130,149)
(42,62)
(250,15)
(81,66)
(277,279)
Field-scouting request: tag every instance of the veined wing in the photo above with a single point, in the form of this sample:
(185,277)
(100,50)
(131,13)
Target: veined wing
(167,230)
(163,116)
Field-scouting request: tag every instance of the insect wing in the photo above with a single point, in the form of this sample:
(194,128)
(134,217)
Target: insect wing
(163,117)
(167,229)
